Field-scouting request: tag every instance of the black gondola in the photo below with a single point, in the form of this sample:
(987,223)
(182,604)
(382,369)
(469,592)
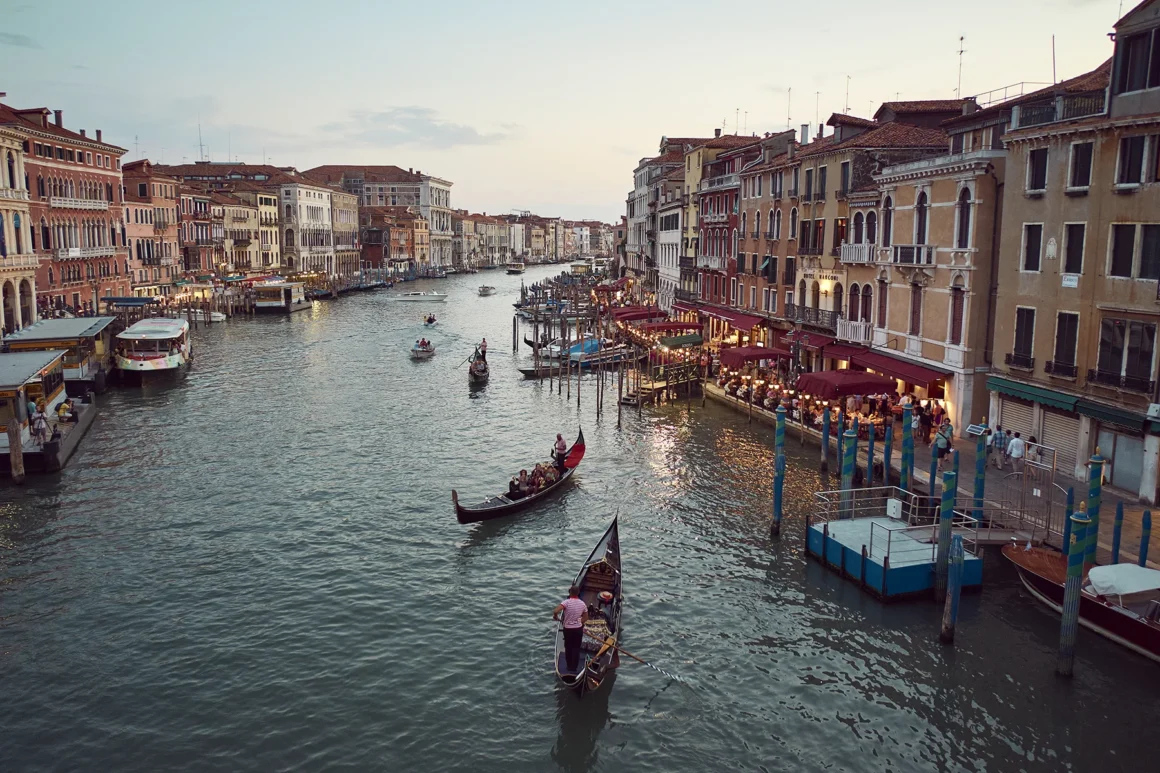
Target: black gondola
(478,372)
(499,506)
(599,581)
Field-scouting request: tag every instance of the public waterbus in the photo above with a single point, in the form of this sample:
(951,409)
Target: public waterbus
(154,346)
(280,297)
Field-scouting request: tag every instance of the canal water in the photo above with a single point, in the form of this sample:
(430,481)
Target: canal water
(259,568)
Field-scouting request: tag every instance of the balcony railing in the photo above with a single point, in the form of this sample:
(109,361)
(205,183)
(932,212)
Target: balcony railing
(722,181)
(820,196)
(1129,383)
(64,202)
(1061,369)
(855,332)
(755,235)
(809,250)
(859,253)
(769,235)
(792,193)
(65,253)
(14,194)
(822,318)
(913,254)
(1061,108)
(1017,360)
(843,193)
(775,195)
(19,261)
(714,218)
(684,295)
(161,225)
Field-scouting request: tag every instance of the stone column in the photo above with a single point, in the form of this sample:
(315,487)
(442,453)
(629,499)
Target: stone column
(1083,447)
(1149,477)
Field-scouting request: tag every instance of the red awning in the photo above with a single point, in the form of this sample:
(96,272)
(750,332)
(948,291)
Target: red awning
(910,372)
(681,307)
(844,351)
(813,340)
(662,326)
(641,314)
(831,384)
(736,356)
(625,312)
(734,318)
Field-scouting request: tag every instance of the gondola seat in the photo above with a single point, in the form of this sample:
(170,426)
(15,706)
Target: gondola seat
(600,576)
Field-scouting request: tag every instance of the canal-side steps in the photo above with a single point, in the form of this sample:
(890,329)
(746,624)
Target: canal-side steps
(885,539)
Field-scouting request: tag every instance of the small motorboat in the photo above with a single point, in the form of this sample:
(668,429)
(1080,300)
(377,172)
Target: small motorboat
(422,350)
(429,295)
(430,320)
(200,315)
(486,290)
(499,506)
(601,589)
(1120,602)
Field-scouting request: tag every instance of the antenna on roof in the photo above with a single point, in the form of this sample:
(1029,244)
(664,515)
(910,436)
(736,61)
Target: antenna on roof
(847,95)
(818,108)
(136,152)
(745,126)
(959,88)
(200,146)
(1053,78)
(736,118)
(788,102)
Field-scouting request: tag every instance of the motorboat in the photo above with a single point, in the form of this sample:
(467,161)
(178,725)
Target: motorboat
(280,297)
(200,315)
(588,346)
(152,346)
(422,350)
(428,295)
(486,290)
(516,268)
(430,320)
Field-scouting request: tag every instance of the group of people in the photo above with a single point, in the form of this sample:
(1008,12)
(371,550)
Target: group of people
(431,319)
(423,344)
(1003,446)
(542,476)
(38,418)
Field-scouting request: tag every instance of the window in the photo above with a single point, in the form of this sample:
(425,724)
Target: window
(819,240)
(809,192)
(733,291)
(1073,235)
(1024,350)
(822,182)
(859,221)
(1066,337)
(1131,167)
(957,144)
(788,298)
(1081,165)
(1037,170)
(964,240)
(760,177)
(1032,245)
(845,173)
(882,287)
(1149,251)
(1136,69)
(915,309)
(1125,356)
(1123,246)
(793,223)
(958,301)
(775,223)
(871,227)
(839,234)
(753,296)
(142,189)
(887,221)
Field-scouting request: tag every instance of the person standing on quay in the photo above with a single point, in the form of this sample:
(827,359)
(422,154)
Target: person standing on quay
(1016,449)
(575,616)
(999,446)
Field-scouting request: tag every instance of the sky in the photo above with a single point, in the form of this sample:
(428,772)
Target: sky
(543,106)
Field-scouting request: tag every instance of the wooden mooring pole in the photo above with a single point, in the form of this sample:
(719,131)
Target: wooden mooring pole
(954,590)
(778,470)
(1069,623)
(15,451)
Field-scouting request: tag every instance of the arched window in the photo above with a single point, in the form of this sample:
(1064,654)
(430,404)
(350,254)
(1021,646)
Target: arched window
(815,295)
(887,221)
(733,254)
(839,299)
(19,237)
(882,286)
(772,219)
(793,223)
(3,243)
(867,299)
(801,299)
(12,183)
(50,274)
(40,186)
(744,221)
(858,223)
(855,302)
(776,224)
(920,218)
(915,327)
(958,302)
(289,212)
(871,227)
(964,240)
(289,238)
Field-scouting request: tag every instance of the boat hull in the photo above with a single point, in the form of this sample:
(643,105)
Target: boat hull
(601,571)
(1106,619)
(261,307)
(422,298)
(419,354)
(170,363)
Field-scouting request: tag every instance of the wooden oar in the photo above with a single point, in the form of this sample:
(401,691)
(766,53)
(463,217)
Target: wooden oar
(610,643)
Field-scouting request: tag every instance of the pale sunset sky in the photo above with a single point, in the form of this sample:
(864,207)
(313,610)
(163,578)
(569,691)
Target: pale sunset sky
(544,106)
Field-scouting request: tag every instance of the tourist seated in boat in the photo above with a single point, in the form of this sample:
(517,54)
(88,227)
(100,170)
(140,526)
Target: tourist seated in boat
(525,484)
(514,489)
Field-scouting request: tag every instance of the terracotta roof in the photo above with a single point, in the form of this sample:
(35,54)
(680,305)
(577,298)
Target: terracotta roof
(1089,81)
(839,119)
(922,106)
(24,119)
(676,174)
(672,157)
(217,197)
(220,172)
(729,141)
(334,173)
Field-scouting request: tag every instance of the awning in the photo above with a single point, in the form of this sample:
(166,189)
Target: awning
(131,301)
(736,356)
(910,372)
(809,340)
(641,314)
(666,326)
(1035,394)
(680,307)
(831,384)
(681,342)
(734,318)
(765,263)
(1110,414)
(844,351)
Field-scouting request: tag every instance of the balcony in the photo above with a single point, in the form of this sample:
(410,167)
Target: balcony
(714,218)
(239,219)
(776,195)
(684,295)
(1127,383)
(859,253)
(19,261)
(1061,108)
(913,254)
(809,250)
(13,194)
(843,193)
(161,225)
(66,253)
(63,202)
(755,235)
(820,196)
(820,318)
(769,235)
(687,263)
(855,332)
(1020,361)
(1060,369)
(792,193)
(720,183)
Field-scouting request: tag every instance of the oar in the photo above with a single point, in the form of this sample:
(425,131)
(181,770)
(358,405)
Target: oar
(609,643)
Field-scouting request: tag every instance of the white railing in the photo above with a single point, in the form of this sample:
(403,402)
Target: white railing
(855,332)
(20,261)
(723,181)
(859,253)
(14,194)
(63,202)
(85,252)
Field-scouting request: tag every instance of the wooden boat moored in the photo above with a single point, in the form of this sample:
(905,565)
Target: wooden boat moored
(502,505)
(599,581)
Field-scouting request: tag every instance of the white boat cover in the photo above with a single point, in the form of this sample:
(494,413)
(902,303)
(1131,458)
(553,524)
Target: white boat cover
(1123,579)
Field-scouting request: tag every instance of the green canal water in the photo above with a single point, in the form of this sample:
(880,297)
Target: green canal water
(258,568)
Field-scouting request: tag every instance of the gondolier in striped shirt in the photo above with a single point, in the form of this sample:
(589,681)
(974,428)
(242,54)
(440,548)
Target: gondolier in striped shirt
(561,451)
(575,614)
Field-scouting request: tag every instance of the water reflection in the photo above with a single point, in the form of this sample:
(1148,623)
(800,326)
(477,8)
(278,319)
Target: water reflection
(581,722)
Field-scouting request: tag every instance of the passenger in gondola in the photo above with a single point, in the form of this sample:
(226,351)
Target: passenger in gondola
(561,450)
(525,484)
(514,489)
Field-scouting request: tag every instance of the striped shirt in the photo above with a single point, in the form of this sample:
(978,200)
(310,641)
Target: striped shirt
(573,610)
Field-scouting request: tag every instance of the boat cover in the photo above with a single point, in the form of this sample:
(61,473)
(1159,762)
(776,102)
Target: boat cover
(1123,579)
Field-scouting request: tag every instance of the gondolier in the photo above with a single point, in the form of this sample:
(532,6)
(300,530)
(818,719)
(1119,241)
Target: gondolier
(575,614)
(561,451)
(483,350)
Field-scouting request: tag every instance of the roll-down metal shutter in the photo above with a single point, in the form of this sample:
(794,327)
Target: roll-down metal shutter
(1061,432)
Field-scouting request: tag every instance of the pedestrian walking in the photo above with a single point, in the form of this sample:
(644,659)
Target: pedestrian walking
(1016,450)
(999,447)
(942,442)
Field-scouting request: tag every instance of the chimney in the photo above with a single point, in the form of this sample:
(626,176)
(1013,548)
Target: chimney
(716,133)
(805,132)
(98,135)
(410,170)
(821,130)
(58,115)
(970,106)
(82,131)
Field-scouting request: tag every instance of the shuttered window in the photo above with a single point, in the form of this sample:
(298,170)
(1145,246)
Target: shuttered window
(957,301)
(915,310)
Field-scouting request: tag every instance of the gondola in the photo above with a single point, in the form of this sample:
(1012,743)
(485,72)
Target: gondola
(478,372)
(499,506)
(599,581)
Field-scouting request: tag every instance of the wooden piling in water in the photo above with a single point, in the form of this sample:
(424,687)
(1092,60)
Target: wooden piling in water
(16,451)
(1069,621)
(954,590)
(1145,537)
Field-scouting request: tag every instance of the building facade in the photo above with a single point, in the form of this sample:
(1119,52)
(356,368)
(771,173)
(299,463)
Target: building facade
(195,230)
(152,227)
(344,221)
(435,206)
(18,261)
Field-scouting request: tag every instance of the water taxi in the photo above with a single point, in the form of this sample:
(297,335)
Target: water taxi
(423,296)
(422,351)
(280,297)
(155,345)
(486,290)
(516,268)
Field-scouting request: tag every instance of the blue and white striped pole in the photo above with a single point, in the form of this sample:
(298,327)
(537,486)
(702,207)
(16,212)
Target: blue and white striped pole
(904,479)
(778,469)
(1095,487)
(954,590)
(946,512)
(1069,625)
(933,468)
(841,435)
(1064,545)
(850,446)
(980,471)
(888,451)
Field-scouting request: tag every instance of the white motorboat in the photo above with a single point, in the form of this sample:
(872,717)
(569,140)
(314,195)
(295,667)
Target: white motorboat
(422,352)
(429,295)
(201,315)
(516,268)
(486,290)
(154,346)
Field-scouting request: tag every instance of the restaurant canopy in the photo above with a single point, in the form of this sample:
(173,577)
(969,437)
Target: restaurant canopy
(831,384)
(628,312)
(636,314)
(735,318)
(910,372)
(683,306)
(736,356)
(813,341)
(681,342)
(667,326)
